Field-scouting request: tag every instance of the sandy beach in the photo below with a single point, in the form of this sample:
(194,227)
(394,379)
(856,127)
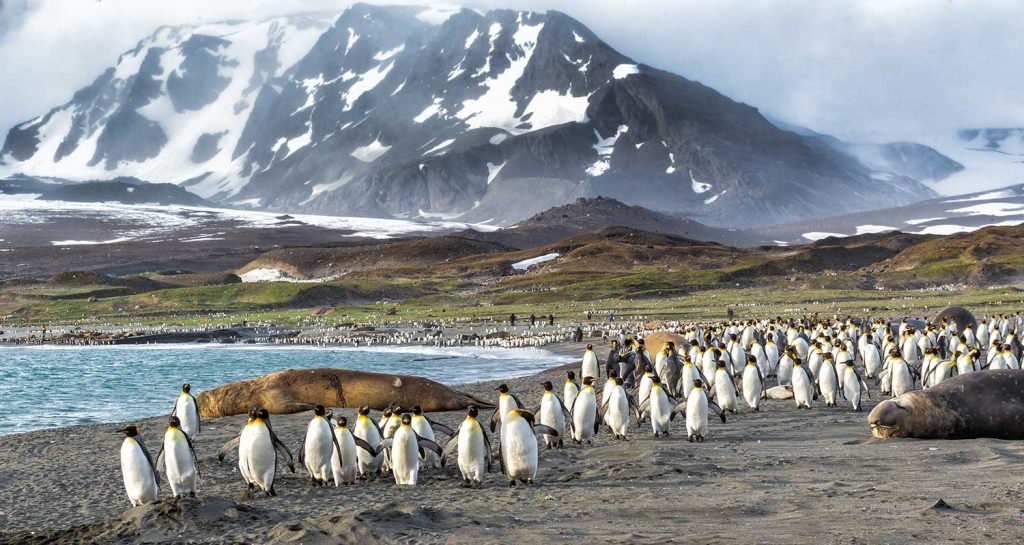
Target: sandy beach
(777,476)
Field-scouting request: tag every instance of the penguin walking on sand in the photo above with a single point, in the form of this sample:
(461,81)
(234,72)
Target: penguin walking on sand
(137,468)
(828,380)
(345,460)
(552,414)
(660,406)
(753,383)
(615,412)
(803,384)
(178,458)
(186,408)
(370,461)
(571,389)
(583,413)
(424,427)
(872,359)
(725,388)
(900,376)
(318,447)
(258,451)
(589,367)
(518,446)
(405,449)
(506,402)
(697,406)
(474,449)
(854,387)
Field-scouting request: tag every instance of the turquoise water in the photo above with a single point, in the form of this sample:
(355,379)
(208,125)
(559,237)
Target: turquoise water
(51,386)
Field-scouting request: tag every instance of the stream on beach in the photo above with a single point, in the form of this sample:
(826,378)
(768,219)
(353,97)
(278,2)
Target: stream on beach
(54,386)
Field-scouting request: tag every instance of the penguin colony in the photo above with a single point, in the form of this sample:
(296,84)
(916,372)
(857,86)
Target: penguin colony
(720,366)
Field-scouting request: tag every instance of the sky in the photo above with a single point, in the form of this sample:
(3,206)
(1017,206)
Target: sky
(869,70)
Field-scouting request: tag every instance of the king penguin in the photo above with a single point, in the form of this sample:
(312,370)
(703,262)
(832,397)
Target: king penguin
(474,449)
(178,457)
(584,413)
(370,461)
(519,446)
(137,468)
(318,447)
(552,414)
(258,452)
(186,408)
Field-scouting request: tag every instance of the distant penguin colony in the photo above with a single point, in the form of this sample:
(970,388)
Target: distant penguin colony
(706,368)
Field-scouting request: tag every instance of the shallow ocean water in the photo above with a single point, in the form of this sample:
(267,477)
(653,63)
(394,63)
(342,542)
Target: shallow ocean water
(52,386)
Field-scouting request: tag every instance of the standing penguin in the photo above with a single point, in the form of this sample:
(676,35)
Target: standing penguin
(178,457)
(803,384)
(474,449)
(318,446)
(571,389)
(552,414)
(753,383)
(828,380)
(137,468)
(584,413)
(658,404)
(615,412)
(697,406)
(872,359)
(344,460)
(424,427)
(725,388)
(589,367)
(901,377)
(854,387)
(258,452)
(506,402)
(519,446)
(186,408)
(405,449)
(370,461)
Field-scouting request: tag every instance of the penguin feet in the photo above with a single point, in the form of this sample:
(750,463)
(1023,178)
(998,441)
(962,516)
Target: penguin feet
(689,438)
(512,484)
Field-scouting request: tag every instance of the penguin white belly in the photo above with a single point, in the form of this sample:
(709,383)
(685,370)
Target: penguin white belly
(814,362)
(345,466)
(851,388)
(365,430)
(185,410)
(645,392)
(661,411)
(505,404)
(661,366)
(902,382)
(606,392)
(180,467)
(964,365)
(710,369)
(139,481)
(828,384)
(689,374)
(803,390)
(551,415)
(472,453)
(752,387)
(696,415)
(772,353)
(589,367)
(785,370)
(256,452)
(584,414)
(405,457)
(617,413)
(519,446)
(725,394)
(569,393)
(872,362)
(318,447)
(422,428)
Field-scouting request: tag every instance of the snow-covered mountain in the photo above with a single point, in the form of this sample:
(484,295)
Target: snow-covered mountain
(408,112)
(992,158)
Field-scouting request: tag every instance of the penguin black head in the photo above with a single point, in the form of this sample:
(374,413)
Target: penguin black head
(827,355)
(618,380)
(571,375)
(547,385)
(590,346)
(406,419)
(129,431)
(397,409)
(612,374)
(588,381)
(342,422)
(417,410)
(472,411)
(253,413)
(174,422)
(319,410)
(263,414)
(186,388)
(364,410)
(698,383)
(387,412)
(641,342)
(720,364)
(615,342)
(655,379)
(751,358)
(648,368)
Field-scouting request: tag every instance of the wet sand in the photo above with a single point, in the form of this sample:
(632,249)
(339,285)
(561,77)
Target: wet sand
(778,476)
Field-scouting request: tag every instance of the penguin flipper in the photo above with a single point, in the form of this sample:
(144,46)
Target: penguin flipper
(495,419)
(361,443)
(232,444)
(385,445)
(424,444)
(541,429)
(519,404)
(561,404)
(281,448)
(437,426)
(632,403)
(149,458)
(449,448)
(679,408)
(160,458)
(199,419)
(718,410)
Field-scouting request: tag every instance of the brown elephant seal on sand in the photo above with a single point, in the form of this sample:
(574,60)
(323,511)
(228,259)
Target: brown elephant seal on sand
(297,390)
(983,404)
(656,341)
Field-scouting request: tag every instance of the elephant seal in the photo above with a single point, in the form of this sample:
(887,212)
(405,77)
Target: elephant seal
(656,341)
(960,315)
(984,404)
(297,390)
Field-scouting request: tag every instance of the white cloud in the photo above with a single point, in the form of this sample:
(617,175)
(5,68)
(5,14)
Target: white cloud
(860,69)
